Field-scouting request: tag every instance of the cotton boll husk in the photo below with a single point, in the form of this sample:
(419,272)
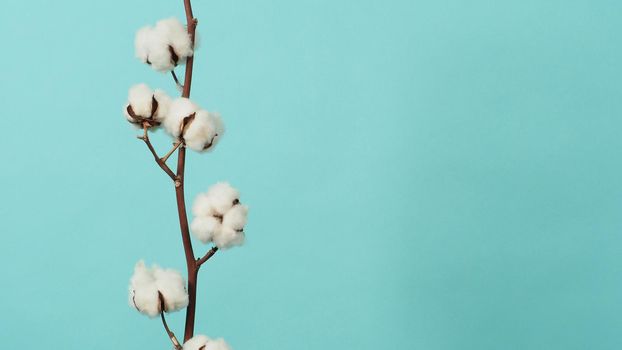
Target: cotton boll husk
(179,109)
(143,293)
(172,286)
(204,227)
(196,342)
(236,217)
(222,196)
(202,131)
(176,35)
(228,237)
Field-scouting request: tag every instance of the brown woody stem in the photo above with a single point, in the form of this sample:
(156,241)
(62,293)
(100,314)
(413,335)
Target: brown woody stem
(171,335)
(161,163)
(181,87)
(206,257)
(166,156)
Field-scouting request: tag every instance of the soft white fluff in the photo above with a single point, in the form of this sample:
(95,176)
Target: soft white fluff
(145,285)
(222,195)
(140,98)
(202,342)
(152,44)
(204,131)
(199,134)
(219,216)
(179,109)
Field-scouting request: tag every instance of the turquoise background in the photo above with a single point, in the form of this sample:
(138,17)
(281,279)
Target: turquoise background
(421,174)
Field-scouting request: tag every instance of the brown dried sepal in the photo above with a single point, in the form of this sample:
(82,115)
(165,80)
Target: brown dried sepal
(140,120)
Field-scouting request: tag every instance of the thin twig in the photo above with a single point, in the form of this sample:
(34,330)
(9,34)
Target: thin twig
(171,335)
(161,163)
(207,255)
(179,86)
(166,156)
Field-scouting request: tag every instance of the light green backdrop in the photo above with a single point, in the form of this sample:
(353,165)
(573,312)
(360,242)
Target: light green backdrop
(422,174)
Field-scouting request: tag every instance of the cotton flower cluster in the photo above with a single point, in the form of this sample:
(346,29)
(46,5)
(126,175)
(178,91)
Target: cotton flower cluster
(183,119)
(219,216)
(146,105)
(147,284)
(164,46)
(199,128)
(201,342)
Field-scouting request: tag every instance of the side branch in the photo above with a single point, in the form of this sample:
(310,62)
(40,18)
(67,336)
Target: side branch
(207,255)
(160,161)
(170,334)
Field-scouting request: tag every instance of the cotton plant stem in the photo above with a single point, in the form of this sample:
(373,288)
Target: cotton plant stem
(192,263)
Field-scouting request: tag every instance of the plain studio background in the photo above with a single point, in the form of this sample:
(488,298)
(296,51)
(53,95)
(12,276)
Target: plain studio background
(421,174)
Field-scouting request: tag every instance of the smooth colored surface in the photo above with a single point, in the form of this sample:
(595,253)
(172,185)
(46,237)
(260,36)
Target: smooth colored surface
(421,174)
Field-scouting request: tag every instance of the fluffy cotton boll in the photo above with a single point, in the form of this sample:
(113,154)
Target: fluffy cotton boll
(223,196)
(228,237)
(147,284)
(204,227)
(203,132)
(140,98)
(203,205)
(201,342)
(176,35)
(145,104)
(197,342)
(164,103)
(217,344)
(179,109)
(236,217)
(142,43)
(143,293)
(172,286)
(164,46)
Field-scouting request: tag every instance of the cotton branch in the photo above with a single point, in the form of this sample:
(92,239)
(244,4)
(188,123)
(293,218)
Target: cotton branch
(171,335)
(179,86)
(161,161)
(207,255)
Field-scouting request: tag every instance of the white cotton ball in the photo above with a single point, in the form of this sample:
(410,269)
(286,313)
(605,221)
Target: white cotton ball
(223,196)
(173,288)
(179,109)
(236,217)
(146,285)
(217,344)
(140,99)
(177,36)
(202,205)
(163,46)
(143,293)
(204,227)
(202,342)
(203,132)
(196,342)
(228,237)
(164,103)
(142,43)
